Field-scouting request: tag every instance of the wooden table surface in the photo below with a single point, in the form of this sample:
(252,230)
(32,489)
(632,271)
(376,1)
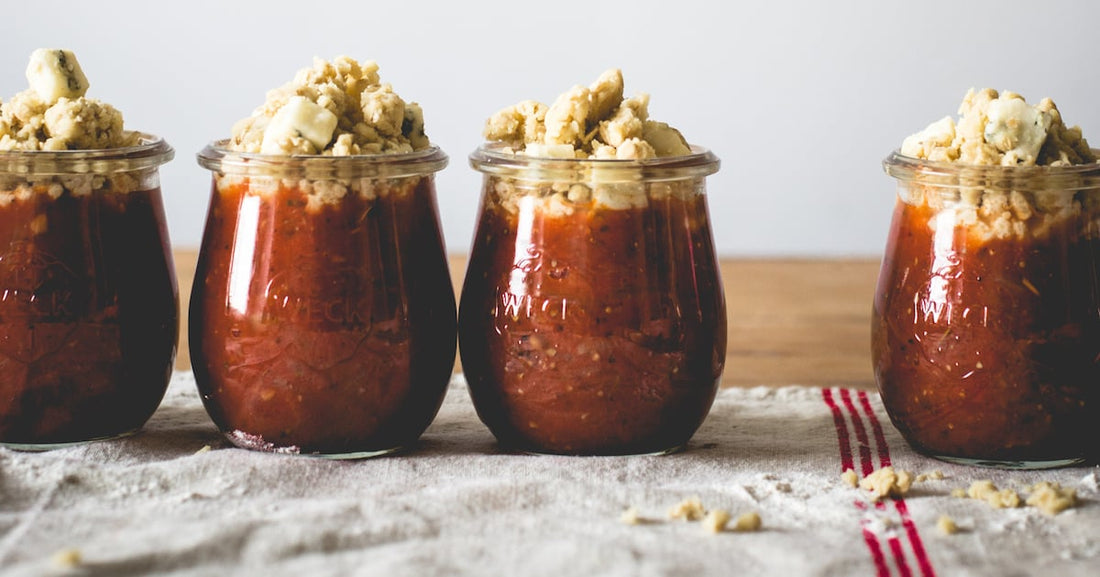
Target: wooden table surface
(804,322)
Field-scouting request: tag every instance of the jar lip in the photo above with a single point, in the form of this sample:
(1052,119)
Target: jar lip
(905,167)
(151,152)
(217,157)
(993,178)
(492,158)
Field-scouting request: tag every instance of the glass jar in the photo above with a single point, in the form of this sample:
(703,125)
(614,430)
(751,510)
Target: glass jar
(986,323)
(89,310)
(592,316)
(322,314)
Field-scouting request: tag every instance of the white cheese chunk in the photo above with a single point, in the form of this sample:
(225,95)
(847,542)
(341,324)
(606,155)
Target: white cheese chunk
(55,74)
(299,117)
(1016,129)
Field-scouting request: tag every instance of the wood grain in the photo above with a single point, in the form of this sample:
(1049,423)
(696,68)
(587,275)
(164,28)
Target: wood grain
(804,322)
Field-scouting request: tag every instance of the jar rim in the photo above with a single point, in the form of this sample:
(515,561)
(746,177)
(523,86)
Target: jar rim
(217,157)
(958,175)
(492,158)
(151,152)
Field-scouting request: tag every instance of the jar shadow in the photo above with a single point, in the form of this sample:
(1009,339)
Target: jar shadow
(177,430)
(733,433)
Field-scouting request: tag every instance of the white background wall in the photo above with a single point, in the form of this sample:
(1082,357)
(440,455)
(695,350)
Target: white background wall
(801,99)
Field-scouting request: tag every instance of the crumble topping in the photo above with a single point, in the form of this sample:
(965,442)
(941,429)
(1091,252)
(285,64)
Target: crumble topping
(1001,129)
(561,199)
(587,122)
(337,108)
(55,114)
(850,478)
(320,193)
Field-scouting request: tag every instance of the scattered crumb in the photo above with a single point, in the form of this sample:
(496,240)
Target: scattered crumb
(985,490)
(783,487)
(886,482)
(936,475)
(958,493)
(849,476)
(1051,498)
(747,522)
(67,558)
(631,517)
(690,509)
(947,525)
(716,521)
(204,449)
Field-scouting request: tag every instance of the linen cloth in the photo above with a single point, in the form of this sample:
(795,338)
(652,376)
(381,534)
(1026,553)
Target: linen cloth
(159,503)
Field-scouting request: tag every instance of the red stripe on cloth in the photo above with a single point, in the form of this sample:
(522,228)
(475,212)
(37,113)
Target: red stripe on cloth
(841,431)
(914,539)
(869,538)
(881,569)
(899,556)
(865,462)
(903,509)
(876,427)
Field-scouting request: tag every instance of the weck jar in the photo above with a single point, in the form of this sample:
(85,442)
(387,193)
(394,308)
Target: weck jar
(986,321)
(322,315)
(88,298)
(592,316)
